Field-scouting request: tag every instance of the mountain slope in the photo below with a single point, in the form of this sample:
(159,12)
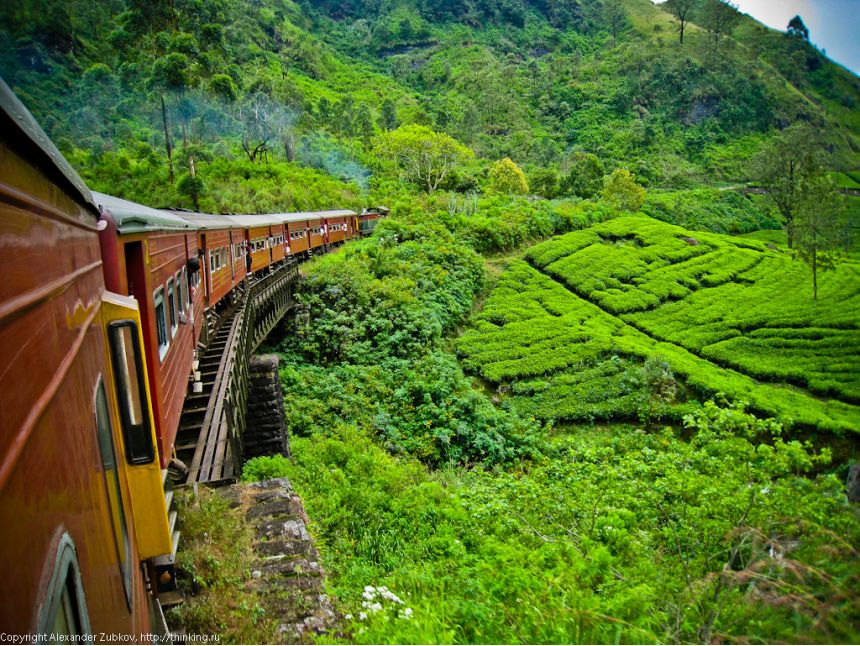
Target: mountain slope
(535,80)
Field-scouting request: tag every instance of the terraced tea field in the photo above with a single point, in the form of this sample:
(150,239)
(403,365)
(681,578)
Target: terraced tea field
(568,327)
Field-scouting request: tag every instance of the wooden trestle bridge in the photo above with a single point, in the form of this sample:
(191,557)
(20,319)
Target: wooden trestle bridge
(212,426)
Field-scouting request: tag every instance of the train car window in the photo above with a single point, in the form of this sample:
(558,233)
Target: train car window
(110,470)
(171,304)
(187,289)
(131,393)
(63,612)
(180,291)
(161,323)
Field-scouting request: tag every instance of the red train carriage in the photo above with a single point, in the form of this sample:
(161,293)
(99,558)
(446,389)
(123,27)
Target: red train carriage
(366,222)
(311,231)
(222,248)
(338,226)
(260,233)
(81,504)
(278,241)
(298,232)
(147,255)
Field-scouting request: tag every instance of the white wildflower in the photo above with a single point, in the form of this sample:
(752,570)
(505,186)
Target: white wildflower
(369,588)
(376,607)
(370,596)
(348,616)
(390,596)
(362,616)
(406,614)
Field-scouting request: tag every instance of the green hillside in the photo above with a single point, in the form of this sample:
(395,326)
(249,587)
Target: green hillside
(311,84)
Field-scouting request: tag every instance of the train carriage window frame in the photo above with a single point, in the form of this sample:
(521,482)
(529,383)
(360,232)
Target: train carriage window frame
(113,488)
(63,610)
(187,289)
(180,291)
(171,305)
(131,392)
(161,324)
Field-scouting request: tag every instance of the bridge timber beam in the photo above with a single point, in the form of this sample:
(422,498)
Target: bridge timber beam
(261,304)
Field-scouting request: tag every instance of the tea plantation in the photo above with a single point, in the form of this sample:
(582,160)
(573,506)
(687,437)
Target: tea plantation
(567,329)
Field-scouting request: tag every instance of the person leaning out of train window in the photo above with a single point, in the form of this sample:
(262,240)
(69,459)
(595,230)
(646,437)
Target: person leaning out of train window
(248,261)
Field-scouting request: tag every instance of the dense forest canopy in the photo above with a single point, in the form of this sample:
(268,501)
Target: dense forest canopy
(303,89)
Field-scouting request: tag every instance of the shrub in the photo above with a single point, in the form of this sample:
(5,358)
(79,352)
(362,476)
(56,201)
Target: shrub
(507,178)
(622,192)
(265,467)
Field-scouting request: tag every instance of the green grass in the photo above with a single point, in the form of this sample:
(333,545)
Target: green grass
(726,315)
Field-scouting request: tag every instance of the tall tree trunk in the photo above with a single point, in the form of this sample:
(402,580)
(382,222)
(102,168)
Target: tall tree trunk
(682,30)
(789,231)
(167,141)
(195,195)
(815,274)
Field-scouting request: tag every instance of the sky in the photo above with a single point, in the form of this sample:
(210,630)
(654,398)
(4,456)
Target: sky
(834,25)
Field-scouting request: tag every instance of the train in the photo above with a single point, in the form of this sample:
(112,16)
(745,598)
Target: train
(98,343)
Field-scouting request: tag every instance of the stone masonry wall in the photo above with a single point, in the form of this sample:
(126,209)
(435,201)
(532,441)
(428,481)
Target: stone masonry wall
(286,567)
(266,431)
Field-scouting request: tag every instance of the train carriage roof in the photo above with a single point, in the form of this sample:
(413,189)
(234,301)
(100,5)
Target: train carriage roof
(253,220)
(21,127)
(131,217)
(204,220)
(313,215)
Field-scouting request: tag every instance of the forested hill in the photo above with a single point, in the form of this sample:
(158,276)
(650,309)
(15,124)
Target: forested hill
(271,95)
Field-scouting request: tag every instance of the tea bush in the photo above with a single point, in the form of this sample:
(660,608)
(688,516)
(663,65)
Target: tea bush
(725,313)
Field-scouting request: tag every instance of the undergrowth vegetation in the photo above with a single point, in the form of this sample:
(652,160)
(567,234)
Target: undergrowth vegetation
(370,350)
(613,535)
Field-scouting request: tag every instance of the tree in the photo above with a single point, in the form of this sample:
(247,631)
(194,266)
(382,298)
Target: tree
(682,10)
(544,182)
(421,155)
(791,158)
(172,71)
(615,16)
(324,112)
(621,191)
(388,116)
(507,178)
(364,125)
(191,186)
(583,175)
(820,231)
(719,18)
(222,85)
(261,124)
(797,29)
